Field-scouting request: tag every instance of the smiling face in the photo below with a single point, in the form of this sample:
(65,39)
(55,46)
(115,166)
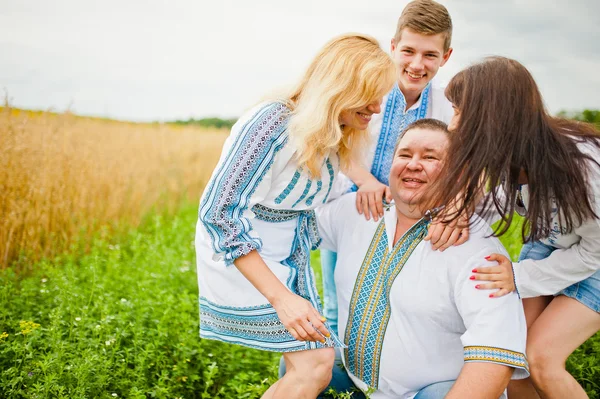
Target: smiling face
(418,58)
(416,164)
(359,118)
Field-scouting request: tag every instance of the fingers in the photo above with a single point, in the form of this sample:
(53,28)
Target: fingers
(373,206)
(319,328)
(489,270)
(501,292)
(463,237)
(365,206)
(379,204)
(486,277)
(497,257)
(434,232)
(448,238)
(388,194)
(490,286)
(359,203)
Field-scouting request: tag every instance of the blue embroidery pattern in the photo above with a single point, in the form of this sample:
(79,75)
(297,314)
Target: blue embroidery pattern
(232,185)
(331,177)
(288,189)
(304,193)
(395,120)
(310,199)
(496,355)
(369,305)
(259,326)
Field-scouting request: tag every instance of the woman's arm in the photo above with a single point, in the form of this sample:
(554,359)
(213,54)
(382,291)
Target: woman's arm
(297,314)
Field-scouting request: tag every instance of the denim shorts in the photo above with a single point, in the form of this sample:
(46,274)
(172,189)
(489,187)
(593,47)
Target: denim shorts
(586,291)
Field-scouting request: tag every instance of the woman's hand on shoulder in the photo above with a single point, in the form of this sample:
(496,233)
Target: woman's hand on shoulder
(499,277)
(369,199)
(443,235)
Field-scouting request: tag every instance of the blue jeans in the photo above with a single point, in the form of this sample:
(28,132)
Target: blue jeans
(340,381)
(586,291)
(437,390)
(330,310)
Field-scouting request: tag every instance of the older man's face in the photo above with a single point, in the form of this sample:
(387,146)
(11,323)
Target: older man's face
(416,164)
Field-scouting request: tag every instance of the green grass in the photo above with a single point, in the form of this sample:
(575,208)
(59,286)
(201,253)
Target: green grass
(122,321)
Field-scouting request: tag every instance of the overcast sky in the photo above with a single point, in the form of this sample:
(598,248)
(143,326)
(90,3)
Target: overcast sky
(146,60)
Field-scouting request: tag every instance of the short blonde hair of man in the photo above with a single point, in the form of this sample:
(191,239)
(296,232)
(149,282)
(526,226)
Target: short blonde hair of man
(426,17)
(348,73)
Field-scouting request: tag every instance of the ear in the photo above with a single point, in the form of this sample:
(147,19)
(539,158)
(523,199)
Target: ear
(392,45)
(446,56)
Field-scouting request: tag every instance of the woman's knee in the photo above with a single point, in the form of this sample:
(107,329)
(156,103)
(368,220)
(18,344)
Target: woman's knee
(313,367)
(543,366)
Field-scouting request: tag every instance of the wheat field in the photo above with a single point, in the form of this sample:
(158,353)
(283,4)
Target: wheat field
(63,176)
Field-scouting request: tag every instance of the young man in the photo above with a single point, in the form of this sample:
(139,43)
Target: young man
(420,46)
(414,324)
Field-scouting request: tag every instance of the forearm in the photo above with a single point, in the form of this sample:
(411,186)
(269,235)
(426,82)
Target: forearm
(254,268)
(480,380)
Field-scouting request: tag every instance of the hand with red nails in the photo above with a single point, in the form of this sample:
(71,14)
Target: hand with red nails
(500,277)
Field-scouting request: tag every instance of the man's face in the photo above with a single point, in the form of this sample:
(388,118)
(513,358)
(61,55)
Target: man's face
(416,164)
(418,58)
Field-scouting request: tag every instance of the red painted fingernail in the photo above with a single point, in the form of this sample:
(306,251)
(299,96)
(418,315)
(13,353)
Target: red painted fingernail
(487,258)
(477,286)
(491,295)
(474,270)
(472,278)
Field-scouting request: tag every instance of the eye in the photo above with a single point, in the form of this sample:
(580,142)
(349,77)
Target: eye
(406,51)
(431,157)
(431,55)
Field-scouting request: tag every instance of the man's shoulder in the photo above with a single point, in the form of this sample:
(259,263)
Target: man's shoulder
(480,244)
(441,108)
(342,210)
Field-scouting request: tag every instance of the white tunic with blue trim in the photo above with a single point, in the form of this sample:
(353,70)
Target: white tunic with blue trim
(258,199)
(409,315)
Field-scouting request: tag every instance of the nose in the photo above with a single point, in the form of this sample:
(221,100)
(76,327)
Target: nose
(416,62)
(374,107)
(414,164)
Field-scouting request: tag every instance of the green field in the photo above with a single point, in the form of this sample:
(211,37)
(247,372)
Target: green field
(121,320)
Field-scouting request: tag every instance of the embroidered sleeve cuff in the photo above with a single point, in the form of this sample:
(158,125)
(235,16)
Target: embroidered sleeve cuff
(238,251)
(501,356)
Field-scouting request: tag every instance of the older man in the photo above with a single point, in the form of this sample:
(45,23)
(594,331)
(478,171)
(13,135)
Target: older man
(414,324)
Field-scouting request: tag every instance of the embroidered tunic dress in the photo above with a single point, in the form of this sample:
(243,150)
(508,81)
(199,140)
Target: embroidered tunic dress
(409,315)
(258,199)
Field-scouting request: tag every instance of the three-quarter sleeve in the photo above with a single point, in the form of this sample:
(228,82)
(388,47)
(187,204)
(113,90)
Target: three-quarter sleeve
(232,190)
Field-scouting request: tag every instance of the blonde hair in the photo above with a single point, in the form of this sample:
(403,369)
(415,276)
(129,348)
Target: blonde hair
(426,17)
(348,73)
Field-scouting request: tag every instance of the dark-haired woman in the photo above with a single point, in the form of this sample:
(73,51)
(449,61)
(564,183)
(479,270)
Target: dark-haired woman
(546,169)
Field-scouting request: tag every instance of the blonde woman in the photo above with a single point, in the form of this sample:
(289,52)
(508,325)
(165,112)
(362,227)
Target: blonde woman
(256,222)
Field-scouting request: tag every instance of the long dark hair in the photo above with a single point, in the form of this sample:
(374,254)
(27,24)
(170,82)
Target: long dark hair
(504,128)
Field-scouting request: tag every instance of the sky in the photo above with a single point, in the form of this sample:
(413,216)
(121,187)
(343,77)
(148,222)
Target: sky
(151,60)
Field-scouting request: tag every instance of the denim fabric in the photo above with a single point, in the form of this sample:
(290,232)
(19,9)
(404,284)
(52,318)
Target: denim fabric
(328,261)
(586,291)
(437,390)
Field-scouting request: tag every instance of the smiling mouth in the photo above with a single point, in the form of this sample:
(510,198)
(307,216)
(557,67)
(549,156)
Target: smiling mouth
(365,117)
(413,180)
(414,75)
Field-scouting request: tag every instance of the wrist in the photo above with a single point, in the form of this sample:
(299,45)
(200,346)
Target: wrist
(275,296)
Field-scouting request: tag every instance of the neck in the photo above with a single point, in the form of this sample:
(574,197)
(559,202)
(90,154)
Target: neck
(410,97)
(407,216)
